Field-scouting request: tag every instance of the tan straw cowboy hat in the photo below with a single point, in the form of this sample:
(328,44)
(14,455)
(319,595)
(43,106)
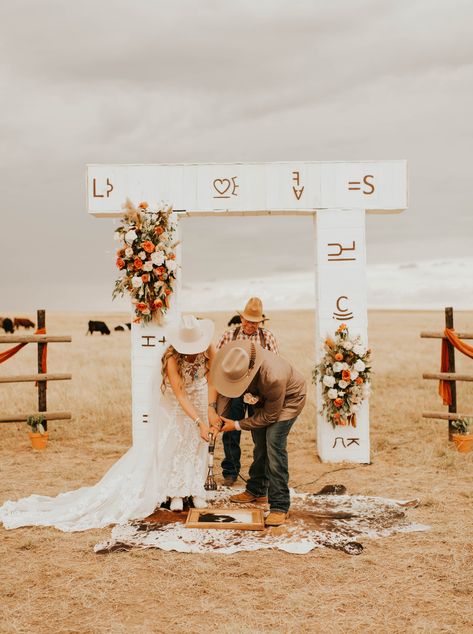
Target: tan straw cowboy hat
(253,310)
(191,335)
(235,366)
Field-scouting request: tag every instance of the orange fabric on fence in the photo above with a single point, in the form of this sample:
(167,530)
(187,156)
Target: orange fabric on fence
(445,389)
(7,354)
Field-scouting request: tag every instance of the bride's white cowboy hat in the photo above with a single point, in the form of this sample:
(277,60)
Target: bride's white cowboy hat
(191,335)
(235,366)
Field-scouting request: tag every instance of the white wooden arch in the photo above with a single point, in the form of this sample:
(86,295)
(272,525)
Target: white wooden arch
(337,194)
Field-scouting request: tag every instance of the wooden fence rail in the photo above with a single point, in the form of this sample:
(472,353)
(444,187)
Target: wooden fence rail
(41,378)
(451,376)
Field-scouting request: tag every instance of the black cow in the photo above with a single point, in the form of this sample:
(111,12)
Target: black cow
(123,326)
(7,325)
(98,326)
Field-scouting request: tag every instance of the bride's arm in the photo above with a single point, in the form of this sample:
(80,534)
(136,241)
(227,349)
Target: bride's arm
(176,385)
(214,418)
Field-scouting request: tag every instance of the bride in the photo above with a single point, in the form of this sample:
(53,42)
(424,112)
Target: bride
(172,465)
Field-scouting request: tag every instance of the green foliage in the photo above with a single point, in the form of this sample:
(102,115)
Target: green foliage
(36,423)
(461,425)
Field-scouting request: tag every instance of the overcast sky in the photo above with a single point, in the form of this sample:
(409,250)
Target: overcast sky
(155,81)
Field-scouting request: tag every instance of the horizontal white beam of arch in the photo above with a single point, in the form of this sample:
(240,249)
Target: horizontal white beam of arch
(338,194)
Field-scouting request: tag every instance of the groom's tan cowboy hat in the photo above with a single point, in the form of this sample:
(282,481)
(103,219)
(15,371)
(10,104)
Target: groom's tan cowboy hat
(253,310)
(235,366)
(191,335)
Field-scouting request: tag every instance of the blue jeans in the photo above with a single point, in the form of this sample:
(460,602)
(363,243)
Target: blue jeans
(269,473)
(231,439)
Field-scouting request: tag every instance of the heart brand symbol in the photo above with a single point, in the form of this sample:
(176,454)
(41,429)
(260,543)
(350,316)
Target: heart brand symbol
(222,185)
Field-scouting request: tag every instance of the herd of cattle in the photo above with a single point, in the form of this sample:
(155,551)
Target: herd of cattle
(10,325)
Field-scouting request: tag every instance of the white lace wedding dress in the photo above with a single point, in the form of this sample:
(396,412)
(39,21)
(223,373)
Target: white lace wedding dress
(174,464)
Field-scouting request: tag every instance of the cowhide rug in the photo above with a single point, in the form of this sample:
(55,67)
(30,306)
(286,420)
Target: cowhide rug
(328,518)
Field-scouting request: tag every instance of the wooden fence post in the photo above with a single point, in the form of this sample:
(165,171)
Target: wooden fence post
(451,368)
(42,407)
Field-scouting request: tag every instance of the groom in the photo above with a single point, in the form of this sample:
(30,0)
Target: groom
(278,392)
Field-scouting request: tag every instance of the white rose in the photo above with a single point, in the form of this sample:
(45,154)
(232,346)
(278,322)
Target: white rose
(332,393)
(359,350)
(329,381)
(130,236)
(171,265)
(142,255)
(148,266)
(129,252)
(347,345)
(136,281)
(359,366)
(157,258)
(345,366)
(337,366)
(343,384)
(353,375)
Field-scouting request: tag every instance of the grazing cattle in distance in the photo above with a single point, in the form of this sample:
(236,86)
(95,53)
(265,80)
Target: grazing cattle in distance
(7,325)
(236,319)
(126,326)
(24,322)
(98,326)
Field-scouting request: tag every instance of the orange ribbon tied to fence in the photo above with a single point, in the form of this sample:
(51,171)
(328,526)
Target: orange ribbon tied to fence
(445,390)
(7,354)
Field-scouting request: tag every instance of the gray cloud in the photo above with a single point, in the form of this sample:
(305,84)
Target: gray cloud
(211,81)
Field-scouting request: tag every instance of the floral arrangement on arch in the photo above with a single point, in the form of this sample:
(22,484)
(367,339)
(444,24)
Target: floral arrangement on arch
(147,259)
(344,372)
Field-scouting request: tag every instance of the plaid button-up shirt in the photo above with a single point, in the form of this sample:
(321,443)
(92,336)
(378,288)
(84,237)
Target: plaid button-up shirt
(260,336)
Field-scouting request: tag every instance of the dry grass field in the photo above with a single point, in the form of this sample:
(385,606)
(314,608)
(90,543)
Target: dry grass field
(52,582)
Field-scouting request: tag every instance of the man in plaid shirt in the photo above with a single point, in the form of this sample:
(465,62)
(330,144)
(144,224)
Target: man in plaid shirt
(251,320)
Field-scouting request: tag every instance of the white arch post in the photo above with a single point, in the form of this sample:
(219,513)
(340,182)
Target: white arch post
(337,194)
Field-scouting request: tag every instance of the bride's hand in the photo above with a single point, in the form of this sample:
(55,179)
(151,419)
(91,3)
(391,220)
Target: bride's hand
(204,431)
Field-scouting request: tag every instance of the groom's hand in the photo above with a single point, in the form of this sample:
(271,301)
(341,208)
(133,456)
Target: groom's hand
(228,424)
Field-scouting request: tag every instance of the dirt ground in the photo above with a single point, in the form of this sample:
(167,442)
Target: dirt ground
(52,582)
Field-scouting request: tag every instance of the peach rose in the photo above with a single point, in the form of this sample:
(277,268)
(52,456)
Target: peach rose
(168,291)
(145,278)
(120,263)
(138,263)
(148,246)
(338,402)
(339,356)
(359,380)
(158,231)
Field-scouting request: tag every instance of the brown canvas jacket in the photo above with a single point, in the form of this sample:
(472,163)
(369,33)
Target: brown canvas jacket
(282,391)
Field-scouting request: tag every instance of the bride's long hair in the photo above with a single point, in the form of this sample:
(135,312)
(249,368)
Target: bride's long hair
(172,352)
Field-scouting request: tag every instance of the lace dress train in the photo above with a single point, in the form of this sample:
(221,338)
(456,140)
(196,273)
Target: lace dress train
(172,463)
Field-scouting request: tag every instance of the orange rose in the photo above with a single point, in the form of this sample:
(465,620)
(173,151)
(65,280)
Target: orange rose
(339,356)
(359,380)
(145,278)
(160,270)
(157,303)
(143,205)
(172,256)
(346,375)
(138,263)
(141,306)
(158,231)
(338,402)
(148,246)
(120,263)
(341,327)
(168,291)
